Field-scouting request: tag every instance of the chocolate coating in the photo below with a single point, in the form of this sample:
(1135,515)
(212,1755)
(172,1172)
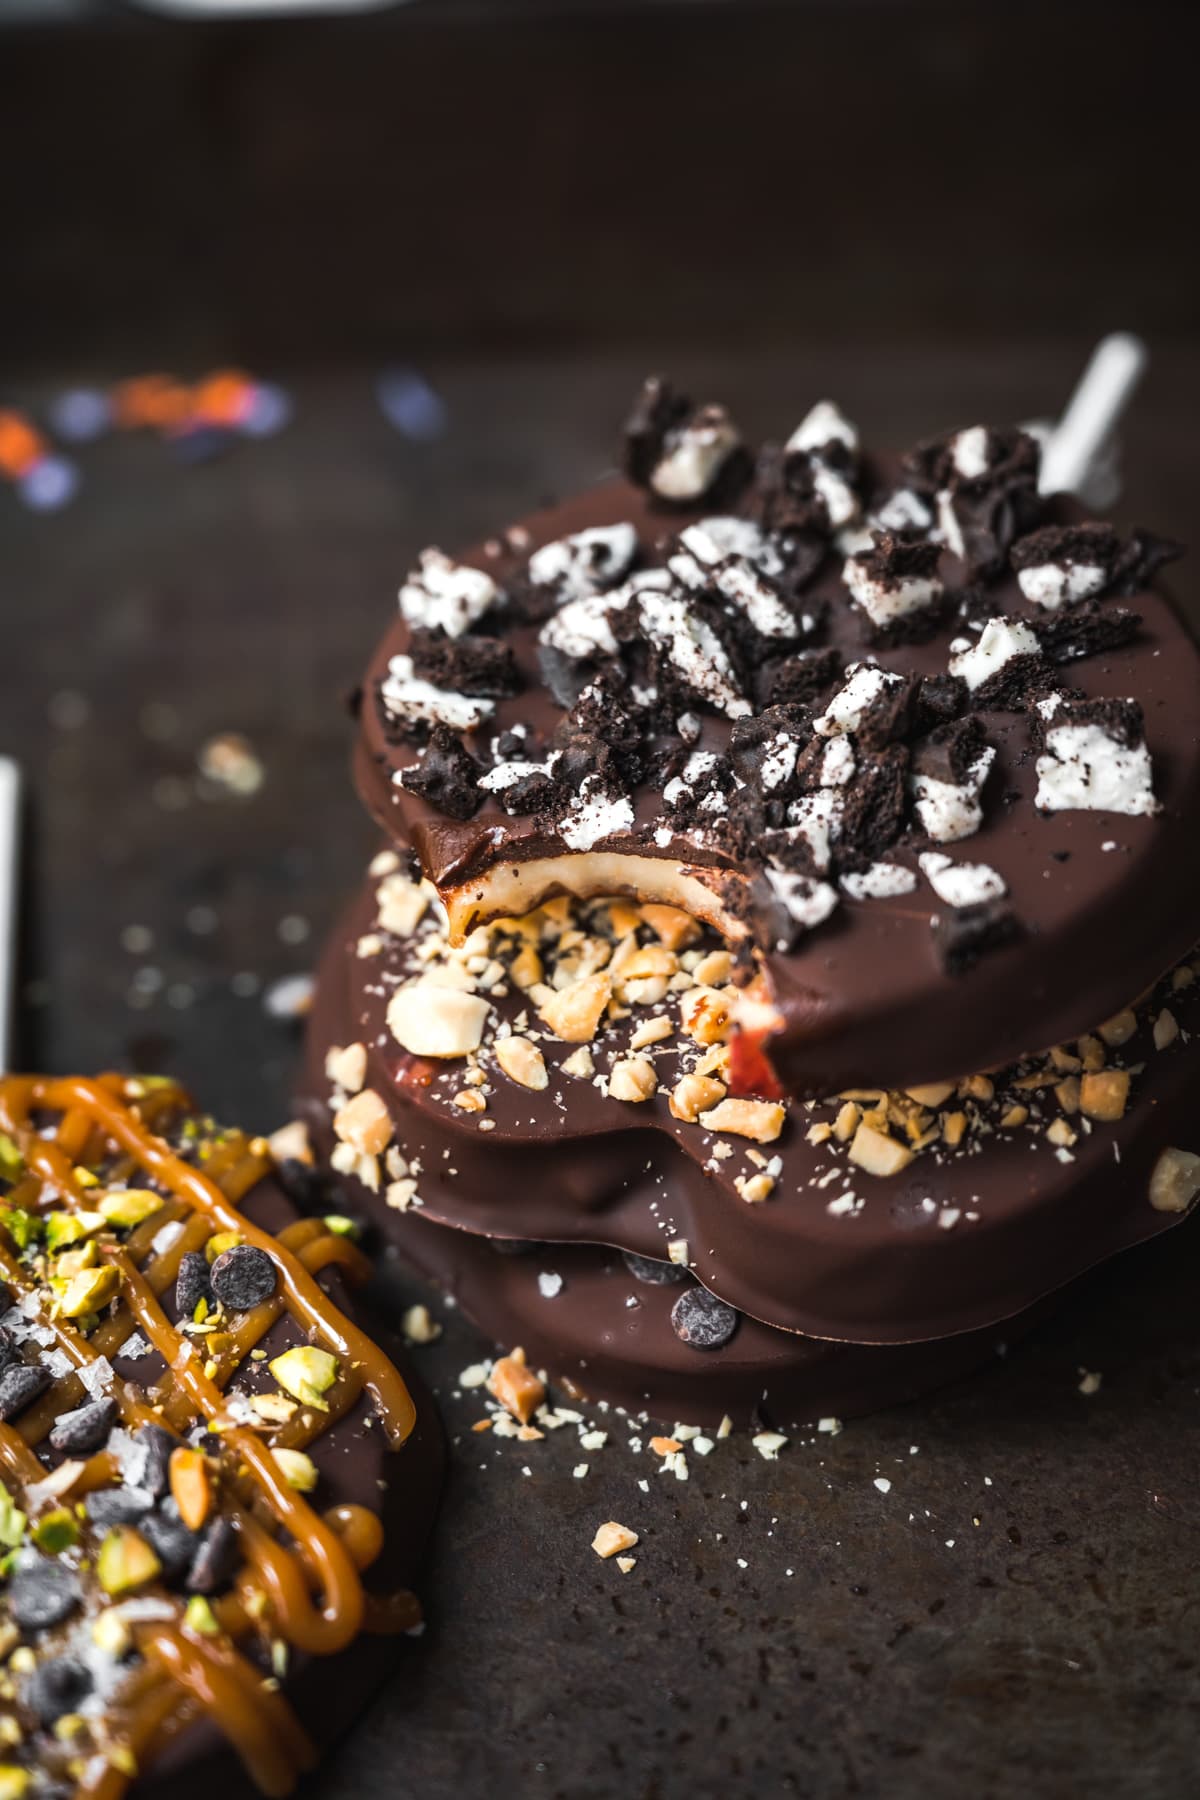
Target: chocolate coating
(864,997)
(608,1336)
(571,1165)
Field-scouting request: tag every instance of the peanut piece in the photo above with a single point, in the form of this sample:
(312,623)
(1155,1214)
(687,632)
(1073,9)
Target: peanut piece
(674,928)
(574,1013)
(522,1062)
(347,1068)
(1175,1180)
(633,1079)
(363,1123)
(761,1120)
(435,1021)
(694,1094)
(877,1153)
(1105,1095)
(612,1538)
(704,1014)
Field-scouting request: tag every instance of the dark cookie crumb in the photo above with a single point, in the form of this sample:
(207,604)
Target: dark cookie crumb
(478,666)
(965,934)
(446,777)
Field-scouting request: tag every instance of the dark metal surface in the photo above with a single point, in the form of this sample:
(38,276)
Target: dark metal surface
(1016,1614)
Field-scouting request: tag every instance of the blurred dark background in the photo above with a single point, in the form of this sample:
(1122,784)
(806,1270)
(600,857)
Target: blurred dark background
(526,175)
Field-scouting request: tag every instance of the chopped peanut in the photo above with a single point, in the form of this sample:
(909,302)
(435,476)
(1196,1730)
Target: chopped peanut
(516,1388)
(612,1538)
(652,1031)
(878,1154)
(676,929)
(954,1128)
(704,1013)
(579,1064)
(1166,1029)
(575,1012)
(1105,1095)
(847,1122)
(470,1100)
(364,1124)
(633,1079)
(932,1094)
(761,1120)
(522,1062)
(1120,1028)
(526,968)
(442,1022)
(402,904)
(1175,1180)
(714,969)
(347,1068)
(694,1094)
(755,1188)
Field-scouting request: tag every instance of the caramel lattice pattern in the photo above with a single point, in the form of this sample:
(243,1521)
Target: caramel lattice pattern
(299,1583)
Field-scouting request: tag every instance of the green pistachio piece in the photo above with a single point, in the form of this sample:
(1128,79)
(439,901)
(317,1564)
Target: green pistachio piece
(224,1240)
(125,1562)
(88,1291)
(11,1160)
(298,1470)
(306,1373)
(199,1617)
(12,1520)
(56,1531)
(22,1227)
(64,1229)
(340,1225)
(14,1781)
(127,1207)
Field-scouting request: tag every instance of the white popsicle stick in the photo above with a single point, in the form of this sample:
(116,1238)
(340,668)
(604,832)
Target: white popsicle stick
(1087,426)
(10,811)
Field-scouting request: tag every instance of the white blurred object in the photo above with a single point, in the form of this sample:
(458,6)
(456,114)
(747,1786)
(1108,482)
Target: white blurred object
(10,813)
(1079,454)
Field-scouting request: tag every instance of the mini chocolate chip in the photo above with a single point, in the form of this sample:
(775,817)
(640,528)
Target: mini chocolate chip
(243,1277)
(158,1445)
(648,1268)
(169,1538)
(80,1432)
(698,1318)
(56,1688)
(20,1385)
(107,1507)
(192,1284)
(216,1560)
(42,1594)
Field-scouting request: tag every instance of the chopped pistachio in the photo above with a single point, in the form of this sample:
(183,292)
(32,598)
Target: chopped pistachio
(22,1227)
(14,1781)
(341,1225)
(306,1373)
(84,1177)
(127,1207)
(88,1291)
(297,1469)
(223,1240)
(56,1531)
(125,1562)
(199,1617)
(12,1520)
(11,1160)
(64,1229)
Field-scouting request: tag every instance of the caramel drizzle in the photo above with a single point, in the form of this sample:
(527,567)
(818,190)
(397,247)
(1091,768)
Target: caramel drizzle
(205,1675)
